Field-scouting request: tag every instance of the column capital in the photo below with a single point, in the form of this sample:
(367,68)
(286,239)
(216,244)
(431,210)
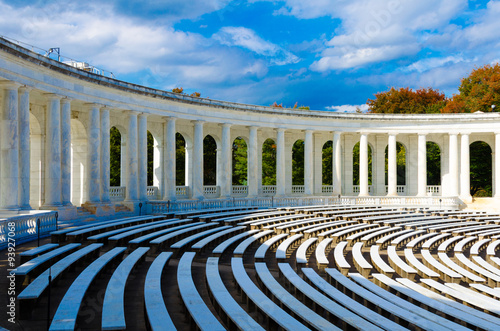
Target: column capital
(198,122)
(309,131)
(66,100)
(169,118)
(91,105)
(25,89)
(253,127)
(226,125)
(452,133)
(465,133)
(393,134)
(366,133)
(280,129)
(422,133)
(9,85)
(53,96)
(141,114)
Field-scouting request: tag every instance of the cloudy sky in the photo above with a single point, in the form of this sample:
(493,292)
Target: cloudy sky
(326,54)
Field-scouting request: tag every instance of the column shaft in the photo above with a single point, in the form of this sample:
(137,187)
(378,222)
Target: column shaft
(53,187)
(226,170)
(280,163)
(198,161)
(392,176)
(9,157)
(308,163)
(142,156)
(24,148)
(132,193)
(66,152)
(363,165)
(169,157)
(252,157)
(453,165)
(422,166)
(465,168)
(94,155)
(105,155)
(337,164)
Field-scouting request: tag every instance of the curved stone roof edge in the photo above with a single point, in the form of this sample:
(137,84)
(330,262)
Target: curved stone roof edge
(63,68)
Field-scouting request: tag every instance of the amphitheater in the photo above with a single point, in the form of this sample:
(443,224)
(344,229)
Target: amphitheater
(78,253)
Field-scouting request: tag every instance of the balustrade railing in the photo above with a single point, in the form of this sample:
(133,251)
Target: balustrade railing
(21,228)
(298,189)
(355,189)
(327,189)
(117,193)
(211,191)
(400,189)
(268,190)
(433,190)
(182,191)
(153,192)
(240,190)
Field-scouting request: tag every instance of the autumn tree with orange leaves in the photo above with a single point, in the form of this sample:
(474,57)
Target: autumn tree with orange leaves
(407,101)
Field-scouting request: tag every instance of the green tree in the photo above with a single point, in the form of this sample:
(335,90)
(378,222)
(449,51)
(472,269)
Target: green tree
(240,162)
(327,163)
(115,142)
(209,161)
(480,169)
(269,162)
(433,164)
(298,163)
(150,158)
(355,165)
(180,160)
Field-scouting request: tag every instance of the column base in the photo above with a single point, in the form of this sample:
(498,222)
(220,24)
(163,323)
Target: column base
(64,213)
(467,199)
(133,205)
(99,209)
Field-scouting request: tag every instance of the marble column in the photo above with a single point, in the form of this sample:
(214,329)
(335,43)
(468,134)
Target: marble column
(280,162)
(363,165)
(94,155)
(392,176)
(252,163)
(105,155)
(197,179)
(9,159)
(66,151)
(308,163)
(453,164)
(337,164)
(24,148)
(131,173)
(142,156)
(169,157)
(496,184)
(53,187)
(226,158)
(422,165)
(465,168)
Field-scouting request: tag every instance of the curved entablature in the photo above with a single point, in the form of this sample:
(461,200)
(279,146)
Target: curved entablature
(56,153)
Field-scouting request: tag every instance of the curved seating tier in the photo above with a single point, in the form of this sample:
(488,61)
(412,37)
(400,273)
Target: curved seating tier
(313,267)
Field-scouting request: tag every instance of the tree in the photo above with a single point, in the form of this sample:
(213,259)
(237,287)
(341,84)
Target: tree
(150,158)
(327,163)
(180,160)
(240,162)
(477,92)
(179,90)
(480,169)
(209,161)
(298,163)
(115,157)
(406,101)
(269,162)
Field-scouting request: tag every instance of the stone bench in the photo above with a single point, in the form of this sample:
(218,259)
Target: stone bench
(273,222)
(155,310)
(185,242)
(347,231)
(401,267)
(136,242)
(219,217)
(247,219)
(353,238)
(436,321)
(339,257)
(386,240)
(363,266)
(469,276)
(230,232)
(304,248)
(445,273)
(434,240)
(28,255)
(320,253)
(463,244)
(243,246)
(217,251)
(272,286)
(492,278)
(159,243)
(369,238)
(445,245)
(421,268)
(260,254)
(287,244)
(200,313)
(29,296)
(67,311)
(419,297)
(351,304)
(379,263)
(236,317)
(103,236)
(277,317)
(327,228)
(405,237)
(113,307)
(188,214)
(31,269)
(310,221)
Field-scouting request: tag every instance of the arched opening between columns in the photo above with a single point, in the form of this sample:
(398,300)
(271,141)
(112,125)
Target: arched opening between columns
(433,161)
(401,165)
(298,164)
(209,161)
(240,162)
(269,162)
(115,144)
(356,164)
(151,159)
(481,169)
(327,163)
(180,160)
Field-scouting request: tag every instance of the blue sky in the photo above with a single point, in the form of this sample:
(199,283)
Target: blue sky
(329,55)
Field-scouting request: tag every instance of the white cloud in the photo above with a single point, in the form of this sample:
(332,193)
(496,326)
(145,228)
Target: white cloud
(248,39)
(435,62)
(348,108)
